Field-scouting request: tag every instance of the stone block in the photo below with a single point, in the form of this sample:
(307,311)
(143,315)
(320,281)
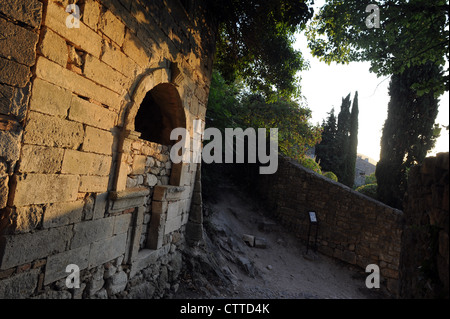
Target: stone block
(112,56)
(91,14)
(249,239)
(55,268)
(159,207)
(53,47)
(260,242)
(42,188)
(40,159)
(93,184)
(155,235)
(52,131)
(122,223)
(173,225)
(117,283)
(54,73)
(10,146)
(82,37)
(168,192)
(98,141)
(76,162)
(174,209)
(20,286)
(14,101)
(103,74)
(24,248)
(180,174)
(91,114)
(49,99)
(151,180)
(27,218)
(112,27)
(61,214)
(26,11)
(101,201)
(91,231)
(13,73)
(107,249)
(134,48)
(138,166)
(18,44)
(144,258)
(134,237)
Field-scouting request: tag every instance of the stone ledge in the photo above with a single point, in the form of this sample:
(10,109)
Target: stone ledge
(129,198)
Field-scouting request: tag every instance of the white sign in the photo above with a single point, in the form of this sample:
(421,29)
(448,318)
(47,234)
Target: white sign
(312,217)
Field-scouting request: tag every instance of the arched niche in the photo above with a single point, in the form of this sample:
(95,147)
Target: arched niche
(155,109)
(159,113)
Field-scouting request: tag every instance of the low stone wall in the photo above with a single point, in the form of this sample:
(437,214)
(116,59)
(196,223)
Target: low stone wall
(424,271)
(352,227)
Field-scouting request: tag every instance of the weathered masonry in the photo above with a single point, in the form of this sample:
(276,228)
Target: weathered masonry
(85,121)
(353,228)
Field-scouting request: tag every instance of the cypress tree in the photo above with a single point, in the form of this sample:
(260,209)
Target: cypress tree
(350,158)
(408,133)
(326,150)
(342,139)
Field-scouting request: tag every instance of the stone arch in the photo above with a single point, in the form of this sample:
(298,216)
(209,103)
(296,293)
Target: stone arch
(153,94)
(159,113)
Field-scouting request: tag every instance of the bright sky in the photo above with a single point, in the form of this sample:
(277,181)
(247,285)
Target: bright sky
(324,86)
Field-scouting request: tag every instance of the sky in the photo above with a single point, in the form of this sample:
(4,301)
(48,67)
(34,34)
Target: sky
(324,86)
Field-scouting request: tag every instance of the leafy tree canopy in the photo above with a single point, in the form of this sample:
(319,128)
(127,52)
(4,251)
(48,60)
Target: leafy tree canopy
(229,106)
(255,43)
(411,33)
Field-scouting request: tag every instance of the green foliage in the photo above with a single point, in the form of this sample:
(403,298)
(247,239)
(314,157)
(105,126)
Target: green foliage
(368,190)
(408,133)
(256,40)
(412,33)
(311,164)
(295,134)
(353,144)
(326,151)
(340,142)
(229,106)
(370,179)
(331,176)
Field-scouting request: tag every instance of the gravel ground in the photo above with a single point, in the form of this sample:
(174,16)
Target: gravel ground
(224,266)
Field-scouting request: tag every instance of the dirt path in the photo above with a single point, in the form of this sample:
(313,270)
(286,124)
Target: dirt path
(278,271)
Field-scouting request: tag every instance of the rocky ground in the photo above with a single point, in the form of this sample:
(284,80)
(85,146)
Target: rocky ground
(225,266)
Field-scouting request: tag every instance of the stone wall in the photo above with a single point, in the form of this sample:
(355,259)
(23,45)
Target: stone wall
(352,227)
(424,271)
(78,184)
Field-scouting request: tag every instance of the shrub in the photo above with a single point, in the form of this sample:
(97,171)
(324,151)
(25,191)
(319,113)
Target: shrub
(311,164)
(370,179)
(331,176)
(368,190)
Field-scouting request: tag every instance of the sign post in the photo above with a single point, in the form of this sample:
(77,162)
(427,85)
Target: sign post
(312,222)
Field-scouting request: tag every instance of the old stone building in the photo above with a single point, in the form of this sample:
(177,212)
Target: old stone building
(364,166)
(89,93)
